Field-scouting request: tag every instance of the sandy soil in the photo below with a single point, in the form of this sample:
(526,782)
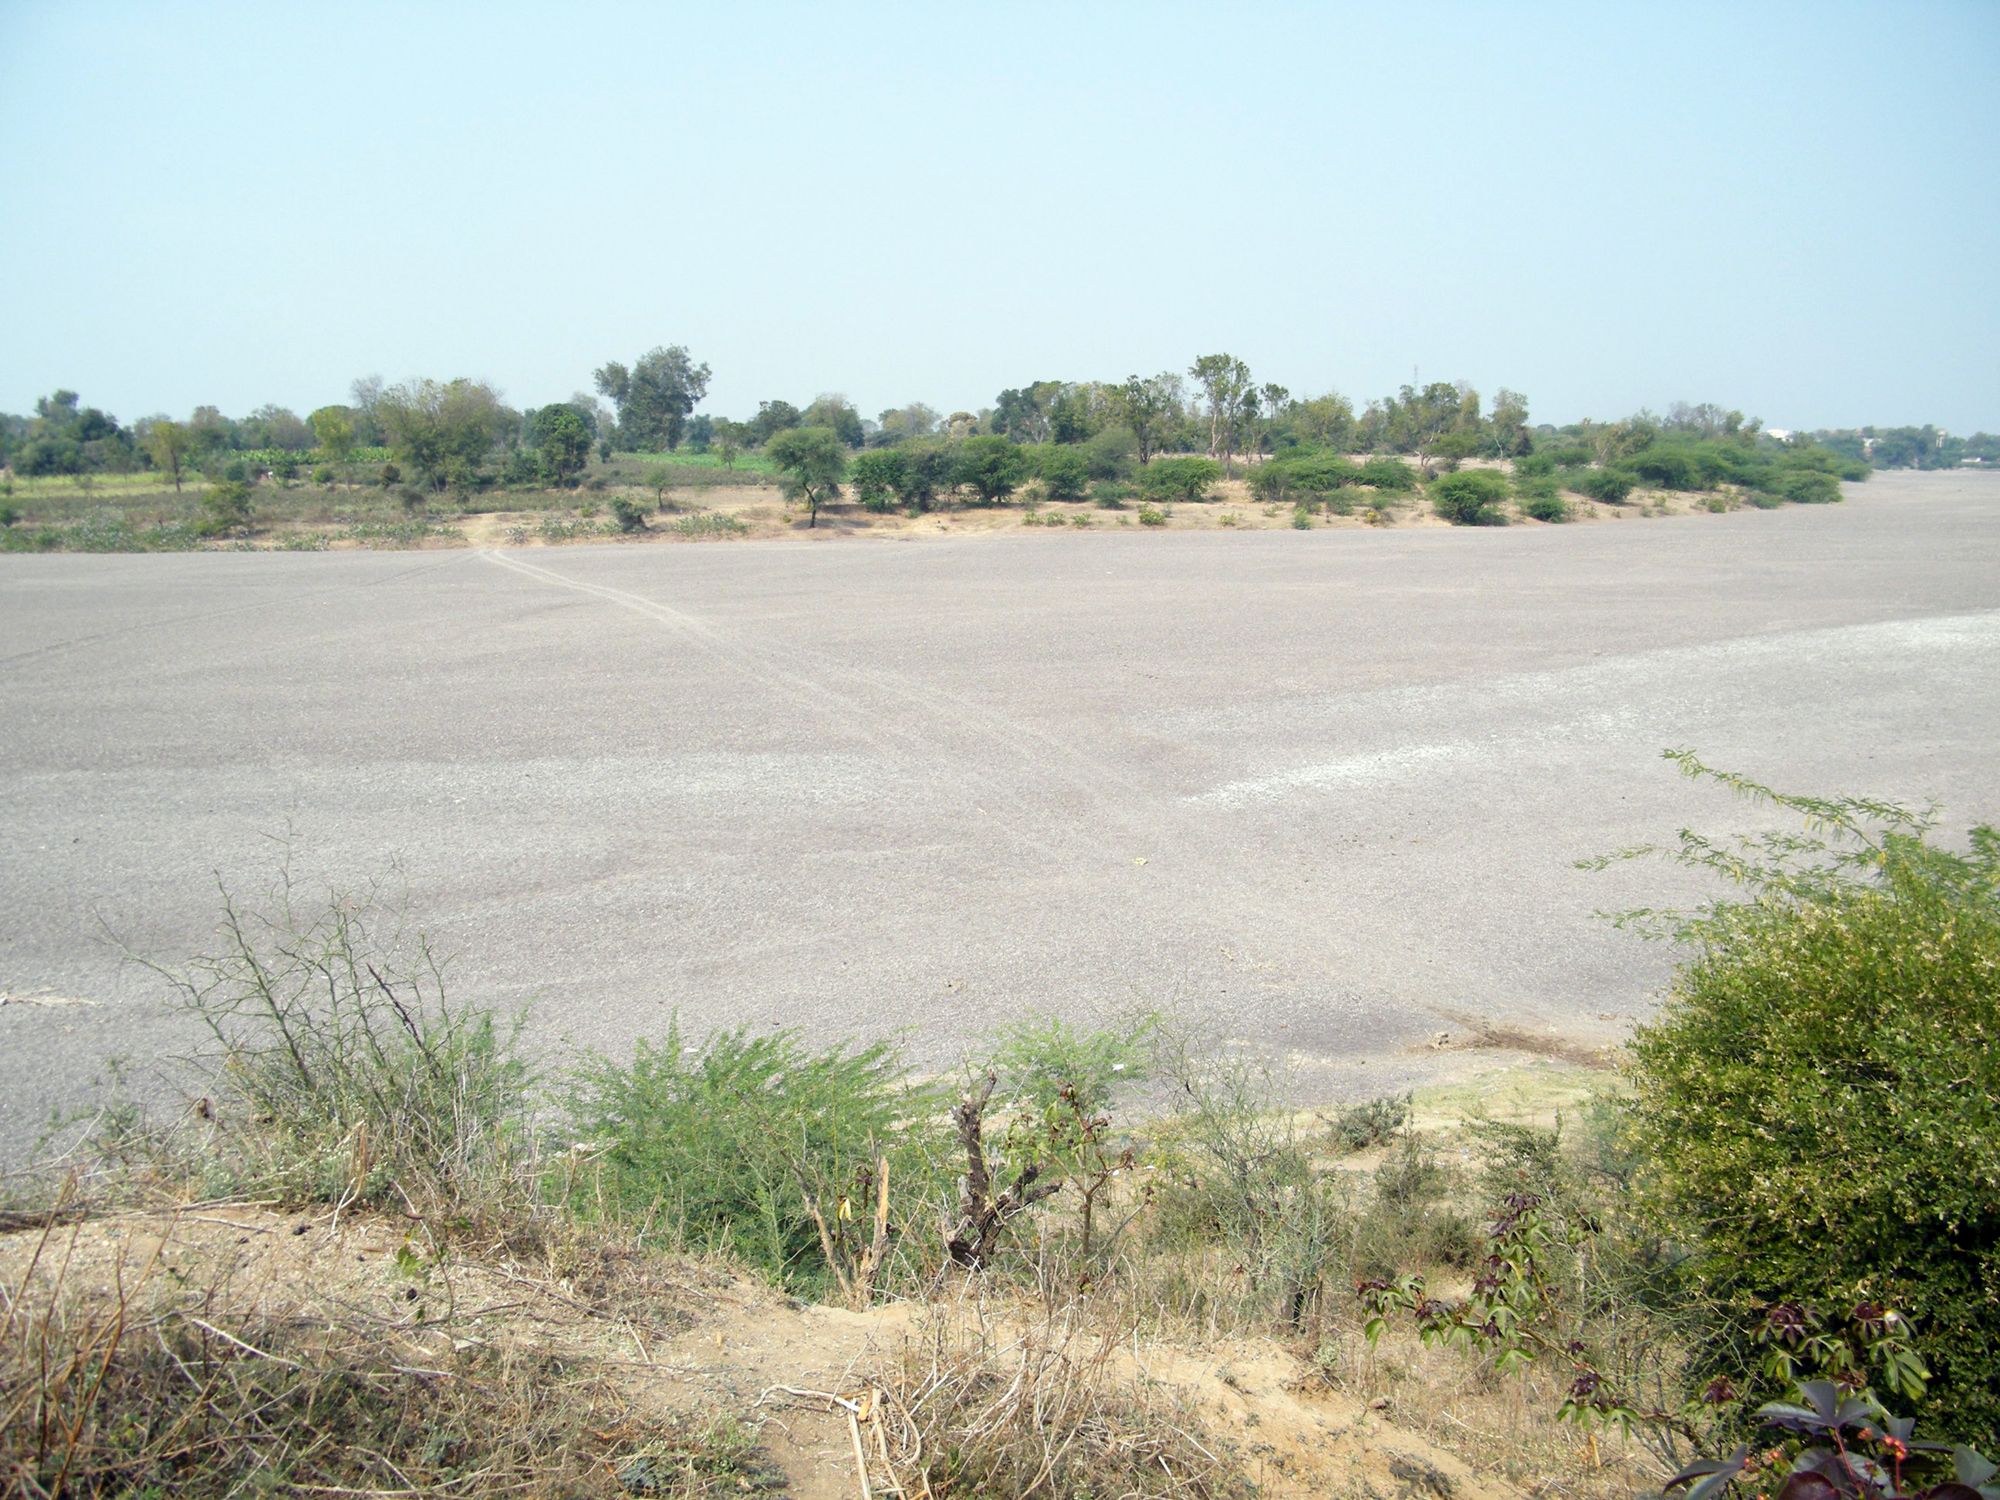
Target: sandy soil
(681,1337)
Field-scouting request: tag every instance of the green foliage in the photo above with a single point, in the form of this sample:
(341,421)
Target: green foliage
(1314,474)
(1807,487)
(812,461)
(991,467)
(1390,474)
(560,436)
(1152,515)
(1543,507)
(628,513)
(1043,1059)
(1470,498)
(1112,453)
(655,397)
(225,507)
(878,476)
(1608,485)
(1819,1100)
(333,1031)
(1063,471)
(708,1143)
(1111,494)
(1166,480)
(1302,518)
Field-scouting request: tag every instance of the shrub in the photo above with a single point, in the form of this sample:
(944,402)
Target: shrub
(1111,454)
(1470,497)
(341,1068)
(1369,1123)
(1064,472)
(629,513)
(1043,1058)
(1111,494)
(225,507)
(1166,480)
(991,467)
(719,1144)
(8,516)
(1819,1100)
(324,476)
(1152,515)
(1608,485)
(877,476)
(1551,508)
(1388,474)
(1534,466)
(391,476)
(1566,456)
(1302,518)
(1807,487)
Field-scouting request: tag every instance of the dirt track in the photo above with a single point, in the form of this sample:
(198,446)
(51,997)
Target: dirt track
(1321,788)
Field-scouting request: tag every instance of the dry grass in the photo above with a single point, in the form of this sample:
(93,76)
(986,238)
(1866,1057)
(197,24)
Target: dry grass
(163,1387)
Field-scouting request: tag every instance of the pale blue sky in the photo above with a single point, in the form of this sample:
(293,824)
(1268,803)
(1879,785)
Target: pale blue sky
(1786,208)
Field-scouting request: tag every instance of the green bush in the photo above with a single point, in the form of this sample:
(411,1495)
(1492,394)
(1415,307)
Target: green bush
(629,513)
(1608,485)
(1818,1103)
(1111,454)
(1807,487)
(1388,474)
(1166,480)
(1470,497)
(1063,471)
(1152,515)
(877,477)
(1111,494)
(715,1144)
(991,467)
(1042,1057)
(1540,507)
(225,507)
(1302,518)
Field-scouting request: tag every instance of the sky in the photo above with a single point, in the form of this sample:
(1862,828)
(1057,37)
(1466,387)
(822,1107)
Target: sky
(1788,209)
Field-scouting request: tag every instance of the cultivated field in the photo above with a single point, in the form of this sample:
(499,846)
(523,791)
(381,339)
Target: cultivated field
(1323,788)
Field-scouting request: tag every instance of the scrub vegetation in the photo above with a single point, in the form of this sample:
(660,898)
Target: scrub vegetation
(74,478)
(1763,1248)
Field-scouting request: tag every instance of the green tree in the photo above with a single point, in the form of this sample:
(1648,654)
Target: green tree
(655,397)
(1063,471)
(812,461)
(442,429)
(561,439)
(1149,407)
(1509,424)
(333,429)
(728,440)
(773,417)
(1225,384)
(878,476)
(837,414)
(169,443)
(991,467)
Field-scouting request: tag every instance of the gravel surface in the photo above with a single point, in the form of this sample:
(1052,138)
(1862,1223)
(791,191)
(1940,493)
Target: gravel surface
(1320,790)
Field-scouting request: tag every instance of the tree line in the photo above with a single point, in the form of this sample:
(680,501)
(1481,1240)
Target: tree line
(457,435)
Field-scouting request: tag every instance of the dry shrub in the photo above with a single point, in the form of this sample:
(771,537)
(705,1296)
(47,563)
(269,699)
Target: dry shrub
(150,1387)
(982,1408)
